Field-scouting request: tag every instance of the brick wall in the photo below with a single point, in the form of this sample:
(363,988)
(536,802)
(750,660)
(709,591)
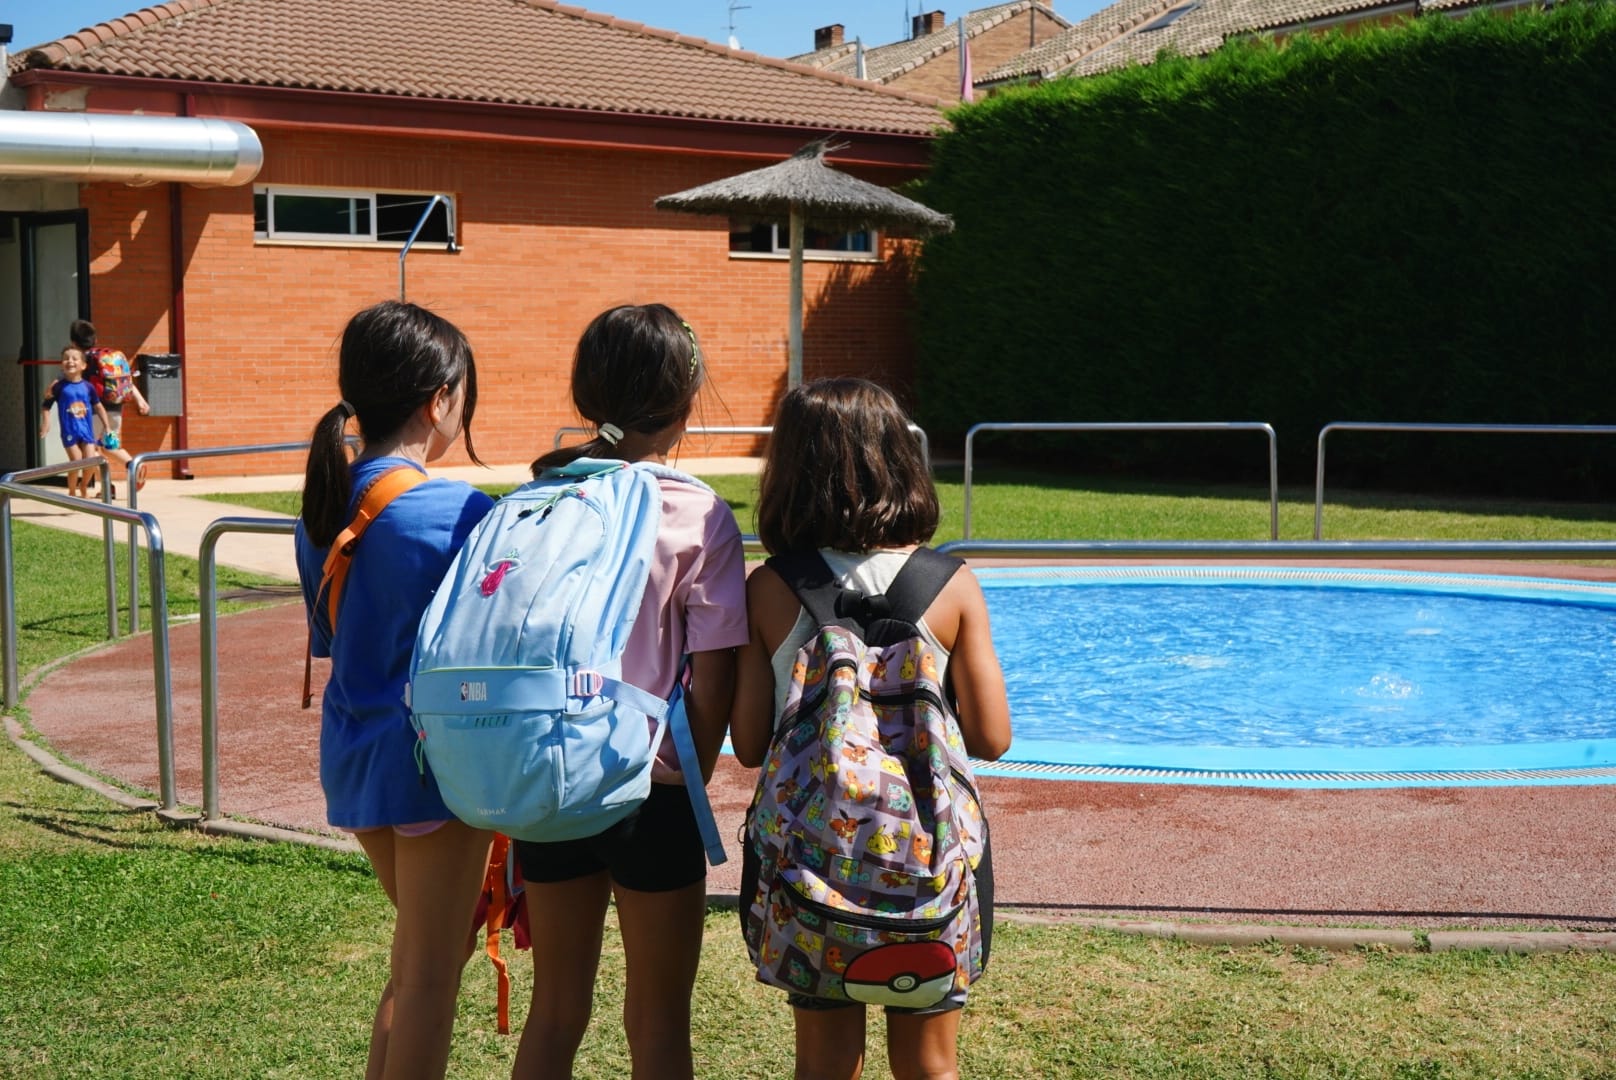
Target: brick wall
(549,237)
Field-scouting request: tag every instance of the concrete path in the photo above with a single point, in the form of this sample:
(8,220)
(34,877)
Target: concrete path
(184,515)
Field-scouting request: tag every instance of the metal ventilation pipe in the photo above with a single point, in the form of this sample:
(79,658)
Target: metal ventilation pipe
(129,149)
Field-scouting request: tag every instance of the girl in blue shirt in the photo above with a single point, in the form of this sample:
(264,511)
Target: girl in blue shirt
(407,376)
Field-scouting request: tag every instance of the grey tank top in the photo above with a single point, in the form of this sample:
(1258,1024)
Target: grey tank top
(870,573)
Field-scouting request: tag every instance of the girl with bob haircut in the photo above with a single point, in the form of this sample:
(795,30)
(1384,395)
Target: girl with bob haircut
(635,377)
(845,476)
(408,378)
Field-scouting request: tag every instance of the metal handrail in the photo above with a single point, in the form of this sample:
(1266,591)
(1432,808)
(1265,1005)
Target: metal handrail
(1186,425)
(920,433)
(1462,429)
(209,597)
(1284,550)
(103,468)
(139,461)
(161,678)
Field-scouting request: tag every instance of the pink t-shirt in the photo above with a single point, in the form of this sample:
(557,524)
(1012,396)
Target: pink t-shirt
(695,597)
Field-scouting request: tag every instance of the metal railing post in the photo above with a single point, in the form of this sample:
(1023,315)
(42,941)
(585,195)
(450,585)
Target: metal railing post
(23,477)
(8,601)
(1283,550)
(139,460)
(209,603)
(14,485)
(970,459)
(1459,429)
(1174,425)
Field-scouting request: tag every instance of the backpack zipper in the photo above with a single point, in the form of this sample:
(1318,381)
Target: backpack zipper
(875,922)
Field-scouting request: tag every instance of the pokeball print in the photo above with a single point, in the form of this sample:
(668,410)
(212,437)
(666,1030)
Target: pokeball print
(912,975)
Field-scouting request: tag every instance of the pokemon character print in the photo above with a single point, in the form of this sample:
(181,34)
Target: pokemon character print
(867,831)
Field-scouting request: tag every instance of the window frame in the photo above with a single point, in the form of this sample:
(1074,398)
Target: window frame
(781,249)
(369,197)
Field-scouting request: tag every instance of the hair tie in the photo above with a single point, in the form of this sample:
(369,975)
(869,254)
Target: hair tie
(347,409)
(695,350)
(610,432)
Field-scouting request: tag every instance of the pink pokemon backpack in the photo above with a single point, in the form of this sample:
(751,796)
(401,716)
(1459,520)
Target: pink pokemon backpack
(865,832)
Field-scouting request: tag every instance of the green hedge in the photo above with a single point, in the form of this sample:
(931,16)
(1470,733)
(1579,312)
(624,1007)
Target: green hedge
(1414,223)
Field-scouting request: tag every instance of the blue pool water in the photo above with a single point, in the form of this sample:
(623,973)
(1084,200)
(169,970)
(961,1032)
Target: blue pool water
(1354,671)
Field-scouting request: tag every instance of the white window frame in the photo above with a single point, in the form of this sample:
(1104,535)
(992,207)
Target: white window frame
(272,236)
(782,249)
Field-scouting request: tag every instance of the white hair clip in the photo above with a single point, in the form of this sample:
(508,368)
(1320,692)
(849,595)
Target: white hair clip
(611,433)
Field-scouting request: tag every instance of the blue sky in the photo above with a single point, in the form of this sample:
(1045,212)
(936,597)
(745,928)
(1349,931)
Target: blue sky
(771,27)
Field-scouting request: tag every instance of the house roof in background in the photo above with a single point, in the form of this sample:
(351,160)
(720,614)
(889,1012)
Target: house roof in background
(1135,31)
(883,63)
(518,52)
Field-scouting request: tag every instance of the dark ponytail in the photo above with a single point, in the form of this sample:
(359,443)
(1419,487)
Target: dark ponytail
(637,368)
(394,357)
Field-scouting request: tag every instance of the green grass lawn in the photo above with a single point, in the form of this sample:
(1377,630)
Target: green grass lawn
(128,949)
(1019,504)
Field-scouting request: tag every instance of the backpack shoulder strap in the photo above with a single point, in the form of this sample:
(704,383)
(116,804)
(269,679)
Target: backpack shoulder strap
(377,495)
(923,577)
(925,573)
(808,576)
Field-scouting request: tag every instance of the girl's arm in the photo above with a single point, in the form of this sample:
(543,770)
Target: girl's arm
(769,604)
(101,412)
(140,399)
(707,703)
(973,667)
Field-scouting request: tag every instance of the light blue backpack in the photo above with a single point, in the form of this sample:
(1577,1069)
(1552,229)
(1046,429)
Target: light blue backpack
(516,687)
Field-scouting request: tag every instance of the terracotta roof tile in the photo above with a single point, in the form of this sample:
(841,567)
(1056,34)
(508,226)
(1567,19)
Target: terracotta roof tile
(524,52)
(1059,52)
(883,63)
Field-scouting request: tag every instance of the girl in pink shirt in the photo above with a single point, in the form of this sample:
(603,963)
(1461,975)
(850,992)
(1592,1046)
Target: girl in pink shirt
(635,376)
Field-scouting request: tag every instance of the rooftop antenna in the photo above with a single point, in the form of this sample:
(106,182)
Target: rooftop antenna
(734,42)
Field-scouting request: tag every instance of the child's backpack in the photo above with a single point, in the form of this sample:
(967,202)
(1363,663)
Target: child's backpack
(116,376)
(516,686)
(502,903)
(865,830)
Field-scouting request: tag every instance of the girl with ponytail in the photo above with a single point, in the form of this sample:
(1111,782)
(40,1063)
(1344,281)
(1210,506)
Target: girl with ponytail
(407,379)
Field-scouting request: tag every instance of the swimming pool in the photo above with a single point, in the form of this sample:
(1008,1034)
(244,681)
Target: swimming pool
(1305,677)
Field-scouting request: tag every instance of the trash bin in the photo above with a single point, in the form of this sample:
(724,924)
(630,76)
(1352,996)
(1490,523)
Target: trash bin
(161,382)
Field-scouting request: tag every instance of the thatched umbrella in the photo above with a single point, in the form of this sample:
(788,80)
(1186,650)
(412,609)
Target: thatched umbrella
(806,190)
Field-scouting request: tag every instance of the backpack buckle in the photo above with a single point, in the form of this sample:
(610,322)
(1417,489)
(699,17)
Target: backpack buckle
(587,684)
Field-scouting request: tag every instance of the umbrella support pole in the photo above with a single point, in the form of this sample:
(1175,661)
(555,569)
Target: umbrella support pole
(794,367)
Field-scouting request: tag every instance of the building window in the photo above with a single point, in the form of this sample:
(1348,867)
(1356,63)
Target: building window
(775,239)
(355,217)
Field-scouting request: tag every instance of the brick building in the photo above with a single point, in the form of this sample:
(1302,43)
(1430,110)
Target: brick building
(547,130)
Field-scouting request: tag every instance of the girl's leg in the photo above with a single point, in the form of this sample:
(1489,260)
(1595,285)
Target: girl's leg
(436,880)
(378,847)
(830,1043)
(923,1046)
(567,919)
(662,947)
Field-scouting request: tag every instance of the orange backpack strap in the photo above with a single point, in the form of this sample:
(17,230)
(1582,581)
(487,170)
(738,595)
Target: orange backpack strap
(376,497)
(494,893)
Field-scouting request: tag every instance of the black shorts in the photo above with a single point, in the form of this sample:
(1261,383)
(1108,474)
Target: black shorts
(657,848)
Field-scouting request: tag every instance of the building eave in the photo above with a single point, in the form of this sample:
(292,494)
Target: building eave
(271,108)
